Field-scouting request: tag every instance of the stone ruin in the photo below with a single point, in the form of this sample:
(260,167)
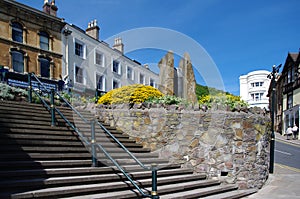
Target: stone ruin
(177,81)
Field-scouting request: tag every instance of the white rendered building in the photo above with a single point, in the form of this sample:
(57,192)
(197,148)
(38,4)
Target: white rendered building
(254,88)
(91,64)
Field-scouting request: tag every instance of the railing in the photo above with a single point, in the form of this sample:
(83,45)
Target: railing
(52,109)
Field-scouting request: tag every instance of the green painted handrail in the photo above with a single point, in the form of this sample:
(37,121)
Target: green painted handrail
(53,109)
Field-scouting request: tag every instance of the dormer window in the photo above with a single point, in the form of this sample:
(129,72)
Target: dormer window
(17,32)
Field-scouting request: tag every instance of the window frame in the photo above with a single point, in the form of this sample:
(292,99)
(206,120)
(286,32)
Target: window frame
(118,71)
(102,58)
(16,68)
(118,83)
(129,76)
(143,78)
(79,52)
(289,101)
(81,75)
(44,34)
(103,86)
(42,67)
(152,81)
(17,32)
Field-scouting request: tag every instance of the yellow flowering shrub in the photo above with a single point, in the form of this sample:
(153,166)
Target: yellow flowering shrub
(135,93)
(229,100)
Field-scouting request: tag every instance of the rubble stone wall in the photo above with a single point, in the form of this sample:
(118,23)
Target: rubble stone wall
(230,146)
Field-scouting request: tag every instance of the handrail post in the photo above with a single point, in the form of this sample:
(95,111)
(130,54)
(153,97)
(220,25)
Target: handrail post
(52,108)
(154,194)
(93,144)
(29,88)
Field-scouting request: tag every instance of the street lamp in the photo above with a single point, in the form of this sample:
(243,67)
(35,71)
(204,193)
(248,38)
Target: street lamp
(272,76)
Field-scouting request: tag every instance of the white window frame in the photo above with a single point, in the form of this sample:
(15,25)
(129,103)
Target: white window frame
(83,75)
(119,67)
(144,78)
(154,84)
(132,73)
(103,81)
(112,83)
(83,56)
(102,58)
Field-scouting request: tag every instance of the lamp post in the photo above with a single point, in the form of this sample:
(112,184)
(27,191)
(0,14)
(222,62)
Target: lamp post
(272,76)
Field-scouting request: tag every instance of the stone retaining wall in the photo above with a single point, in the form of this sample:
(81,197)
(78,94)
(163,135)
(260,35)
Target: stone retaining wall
(230,146)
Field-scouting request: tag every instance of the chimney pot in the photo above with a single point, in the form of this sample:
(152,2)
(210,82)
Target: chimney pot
(93,29)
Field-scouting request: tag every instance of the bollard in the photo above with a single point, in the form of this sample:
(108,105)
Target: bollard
(29,88)
(52,108)
(93,144)
(154,194)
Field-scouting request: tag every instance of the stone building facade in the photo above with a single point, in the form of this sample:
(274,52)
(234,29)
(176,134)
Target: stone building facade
(30,40)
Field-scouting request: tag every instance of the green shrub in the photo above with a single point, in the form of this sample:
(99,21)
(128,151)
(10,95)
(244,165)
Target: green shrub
(167,99)
(10,93)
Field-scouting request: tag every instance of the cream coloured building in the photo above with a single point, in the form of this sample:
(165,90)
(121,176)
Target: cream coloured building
(254,88)
(91,64)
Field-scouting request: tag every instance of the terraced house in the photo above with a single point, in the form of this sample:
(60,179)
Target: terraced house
(91,64)
(30,39)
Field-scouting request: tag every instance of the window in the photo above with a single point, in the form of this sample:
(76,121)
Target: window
(44,67)
(290,100)
(100,82)
(17,61)
(257,96)
(257,84)
(99,58)
(290,75)
(152,82)
(17,32)
(116,68)
(44,40)
(79,75)
(130,74)
(79,51)
(142,79)
(115,84)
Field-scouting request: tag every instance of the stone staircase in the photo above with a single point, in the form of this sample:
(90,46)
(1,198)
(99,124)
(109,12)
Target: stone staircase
(40,161)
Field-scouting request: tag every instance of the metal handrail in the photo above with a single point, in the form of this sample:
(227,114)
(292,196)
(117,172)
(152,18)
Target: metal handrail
(93,144)
(123,147)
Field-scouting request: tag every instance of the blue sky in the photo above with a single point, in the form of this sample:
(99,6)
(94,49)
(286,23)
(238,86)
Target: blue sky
(239,35)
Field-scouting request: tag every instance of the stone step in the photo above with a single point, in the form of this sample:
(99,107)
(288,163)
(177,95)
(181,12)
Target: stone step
(232,194)
(90,179)
(35,164)
(37,142)
(162,189)
(63,132)
(112,149)
(40,137)
(11,174)
(69,153)
(25,142)
(199,192)
(107,187)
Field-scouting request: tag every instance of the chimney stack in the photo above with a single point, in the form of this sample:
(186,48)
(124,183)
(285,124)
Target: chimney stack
(119,45)
(93,29)
(50,8)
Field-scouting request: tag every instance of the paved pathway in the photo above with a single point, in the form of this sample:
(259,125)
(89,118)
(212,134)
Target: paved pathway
(284,182)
